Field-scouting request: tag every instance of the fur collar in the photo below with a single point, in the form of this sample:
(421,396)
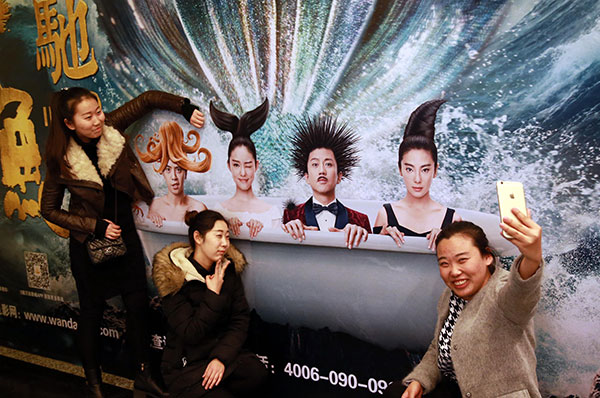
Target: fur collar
(171,267)
(179,257)
(109,149)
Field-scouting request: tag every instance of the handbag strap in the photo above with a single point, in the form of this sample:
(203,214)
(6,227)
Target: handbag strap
(115,204)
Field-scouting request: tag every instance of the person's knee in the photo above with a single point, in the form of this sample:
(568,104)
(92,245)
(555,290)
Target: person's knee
(262,374)
(394,390)
(257,373)
(250,375)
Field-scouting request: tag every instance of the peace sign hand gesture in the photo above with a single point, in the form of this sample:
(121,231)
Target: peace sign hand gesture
(214,282)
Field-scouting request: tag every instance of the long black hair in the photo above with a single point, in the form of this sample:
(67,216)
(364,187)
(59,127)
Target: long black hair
(62,106)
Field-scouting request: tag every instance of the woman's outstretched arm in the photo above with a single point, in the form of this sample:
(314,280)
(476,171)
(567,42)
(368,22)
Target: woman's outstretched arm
(527,236)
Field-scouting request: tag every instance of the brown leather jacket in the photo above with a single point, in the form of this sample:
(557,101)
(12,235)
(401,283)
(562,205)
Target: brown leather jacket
(116,162)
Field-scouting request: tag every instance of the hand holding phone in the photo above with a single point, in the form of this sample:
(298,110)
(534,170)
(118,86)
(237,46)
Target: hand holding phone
(510,195)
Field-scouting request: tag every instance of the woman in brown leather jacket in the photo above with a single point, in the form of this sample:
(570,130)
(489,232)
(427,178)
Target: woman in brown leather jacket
(88,155)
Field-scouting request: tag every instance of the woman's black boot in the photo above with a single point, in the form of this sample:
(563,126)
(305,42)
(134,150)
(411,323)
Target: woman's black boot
(93,379)
(144,382)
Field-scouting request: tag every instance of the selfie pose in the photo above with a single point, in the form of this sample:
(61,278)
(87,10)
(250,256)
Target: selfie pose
(207,314)
(484,342)
(88,155)
(171,152)
(416,214)
(244,209)
(324,152)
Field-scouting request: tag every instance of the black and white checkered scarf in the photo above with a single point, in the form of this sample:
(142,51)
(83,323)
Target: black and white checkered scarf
(445,340)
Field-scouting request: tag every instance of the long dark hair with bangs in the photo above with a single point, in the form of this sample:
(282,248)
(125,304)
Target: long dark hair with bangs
(62,106)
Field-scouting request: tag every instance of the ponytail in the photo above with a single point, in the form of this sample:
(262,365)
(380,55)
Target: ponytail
(201,221)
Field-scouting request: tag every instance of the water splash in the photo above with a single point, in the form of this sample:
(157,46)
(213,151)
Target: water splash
(522,83)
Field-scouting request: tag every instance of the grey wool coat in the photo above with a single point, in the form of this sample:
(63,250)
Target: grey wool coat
(493,343)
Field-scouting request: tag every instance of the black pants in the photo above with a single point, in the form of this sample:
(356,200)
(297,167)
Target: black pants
(247,379)
(124,276)
(445,389)
(88,337)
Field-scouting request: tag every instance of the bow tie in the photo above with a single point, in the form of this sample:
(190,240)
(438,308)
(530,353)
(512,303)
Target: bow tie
(332,208)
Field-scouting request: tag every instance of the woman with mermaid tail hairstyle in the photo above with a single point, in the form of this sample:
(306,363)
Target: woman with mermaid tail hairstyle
(417,214)
(170,151)
(244,209)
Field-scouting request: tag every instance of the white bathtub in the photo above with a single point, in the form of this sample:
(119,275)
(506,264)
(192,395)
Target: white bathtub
(377,292)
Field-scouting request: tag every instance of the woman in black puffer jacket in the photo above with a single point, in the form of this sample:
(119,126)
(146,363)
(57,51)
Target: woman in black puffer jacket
(207,313)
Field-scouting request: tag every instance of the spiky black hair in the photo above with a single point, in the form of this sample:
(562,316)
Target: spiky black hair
(324,132)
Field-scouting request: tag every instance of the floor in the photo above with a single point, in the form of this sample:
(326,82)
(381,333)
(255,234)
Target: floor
(25,375)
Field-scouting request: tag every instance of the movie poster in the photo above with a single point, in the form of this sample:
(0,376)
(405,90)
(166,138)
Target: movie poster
(520,80)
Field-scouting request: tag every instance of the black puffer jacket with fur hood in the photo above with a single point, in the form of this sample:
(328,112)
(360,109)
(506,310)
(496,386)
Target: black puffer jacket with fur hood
(201,324)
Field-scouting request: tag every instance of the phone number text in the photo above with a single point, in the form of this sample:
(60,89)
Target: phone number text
(334,378)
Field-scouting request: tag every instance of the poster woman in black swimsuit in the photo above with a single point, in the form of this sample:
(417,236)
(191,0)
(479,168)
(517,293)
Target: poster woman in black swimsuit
(416,214)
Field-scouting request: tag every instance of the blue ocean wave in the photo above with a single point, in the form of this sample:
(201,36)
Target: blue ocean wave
(521,80)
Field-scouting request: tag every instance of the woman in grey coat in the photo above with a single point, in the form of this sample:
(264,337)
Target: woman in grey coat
(484,344)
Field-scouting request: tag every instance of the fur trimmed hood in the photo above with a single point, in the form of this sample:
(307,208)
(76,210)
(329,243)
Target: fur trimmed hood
(171,267)
(110,146)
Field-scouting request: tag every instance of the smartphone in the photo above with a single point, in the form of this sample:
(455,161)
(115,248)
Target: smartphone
(510,195)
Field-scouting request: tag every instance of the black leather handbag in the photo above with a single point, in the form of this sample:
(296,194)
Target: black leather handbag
(104,249)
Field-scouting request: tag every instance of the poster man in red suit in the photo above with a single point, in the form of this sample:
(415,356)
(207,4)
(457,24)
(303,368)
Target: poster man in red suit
(323,153)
